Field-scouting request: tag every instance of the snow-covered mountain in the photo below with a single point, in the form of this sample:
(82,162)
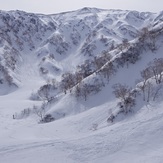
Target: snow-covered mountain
(56,40)
(95,74)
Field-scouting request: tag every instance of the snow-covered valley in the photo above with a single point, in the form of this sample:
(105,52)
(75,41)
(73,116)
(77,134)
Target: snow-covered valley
(36,51)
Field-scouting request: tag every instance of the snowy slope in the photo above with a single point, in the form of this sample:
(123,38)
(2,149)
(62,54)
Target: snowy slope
(45,47)
(137,138)
(77,35)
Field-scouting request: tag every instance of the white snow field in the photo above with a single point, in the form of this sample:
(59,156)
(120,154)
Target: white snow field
(137,138)
(83,135)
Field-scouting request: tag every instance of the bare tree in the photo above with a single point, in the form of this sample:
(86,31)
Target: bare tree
(152,44)
(40,112)
(145,74)
(124,93)
(103,59)
(148,90)
(46,91)
(108,70)
(128,104)
(85,91)
(148,39)
(67,82)
(78,77)
(78,91)
(152,91)
(156,67)
(156,91)
(82,90)
(121,91)
(154,70)
(144,33)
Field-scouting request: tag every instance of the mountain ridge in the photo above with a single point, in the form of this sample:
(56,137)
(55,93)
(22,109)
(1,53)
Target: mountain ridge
(49,35)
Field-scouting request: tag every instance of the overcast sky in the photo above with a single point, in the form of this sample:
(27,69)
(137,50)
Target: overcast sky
(56,6)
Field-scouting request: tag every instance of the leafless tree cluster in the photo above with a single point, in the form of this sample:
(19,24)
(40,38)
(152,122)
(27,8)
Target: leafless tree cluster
(88,48)
(124,45)
(67,82)
(105,67)
(121,91)
(40,111)
(156,68)
(153,71)
(46,92)
(107,70)
(147,39)
(124,93)
(99,65)
(89,67)
(150,84)
(5,75)
(145,75)
(131,55)
(86,69)
(23,114)
(83,90)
